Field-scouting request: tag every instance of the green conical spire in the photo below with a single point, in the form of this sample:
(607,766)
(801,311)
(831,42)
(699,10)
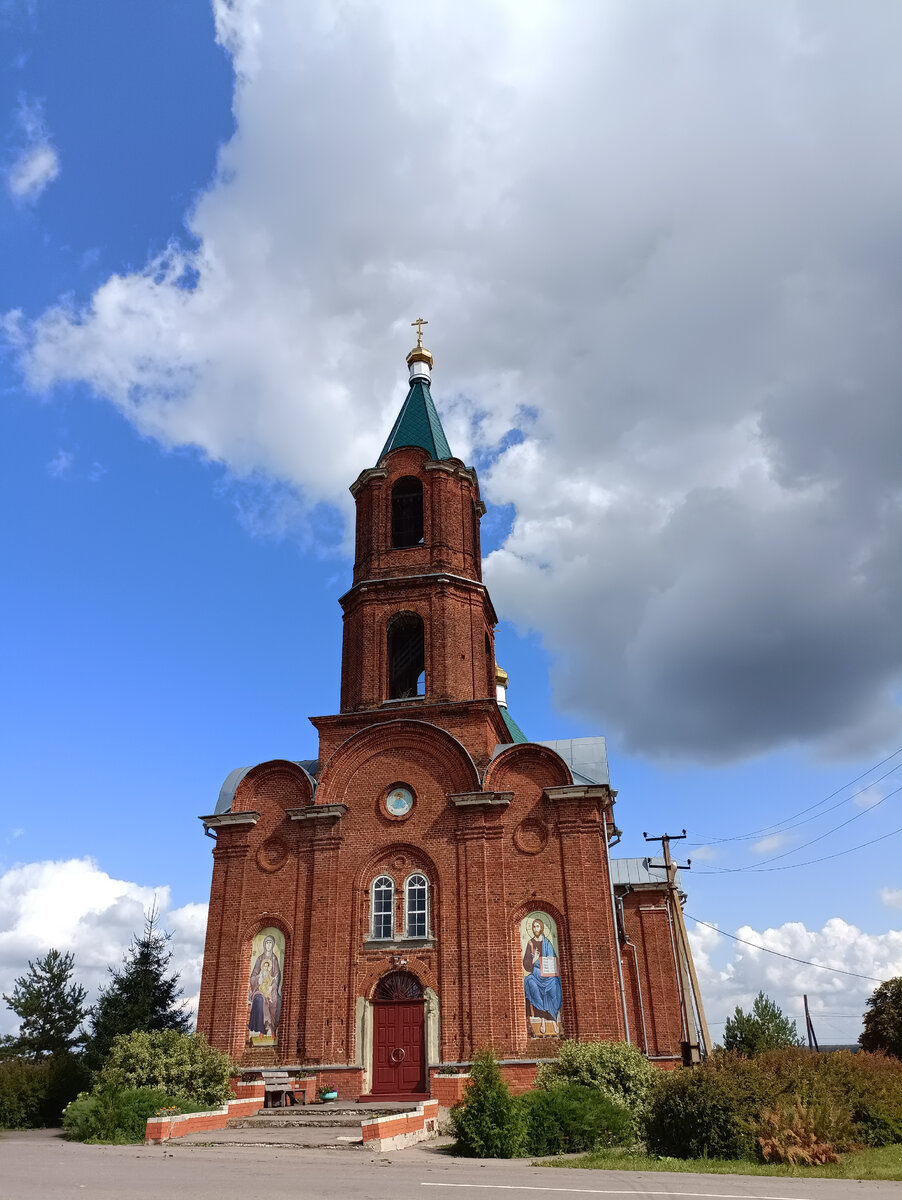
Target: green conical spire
(418,422)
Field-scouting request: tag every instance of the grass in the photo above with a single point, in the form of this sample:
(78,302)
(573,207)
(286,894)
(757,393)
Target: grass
(882,1163)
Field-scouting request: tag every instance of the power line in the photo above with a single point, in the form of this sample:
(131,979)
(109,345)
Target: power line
(778,824)
(808,861)
(747,837)
(760,866)
(804,961)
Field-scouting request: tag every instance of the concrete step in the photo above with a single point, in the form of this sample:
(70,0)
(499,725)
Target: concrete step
(309,1122)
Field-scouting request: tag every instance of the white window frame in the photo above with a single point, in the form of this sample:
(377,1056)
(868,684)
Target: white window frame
(407,911)
(374,887)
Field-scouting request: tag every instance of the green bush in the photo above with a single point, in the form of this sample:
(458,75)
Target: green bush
(615,1068)
(108,1115)
(489,1122)
(180,1064)
(570,1118)
(34,1093)
(697,1113)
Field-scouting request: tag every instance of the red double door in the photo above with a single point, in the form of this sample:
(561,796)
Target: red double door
(399,1050)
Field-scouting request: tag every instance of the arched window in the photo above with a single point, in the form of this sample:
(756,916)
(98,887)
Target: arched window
(406,657)
(407,512)
(416,906)
(382,907)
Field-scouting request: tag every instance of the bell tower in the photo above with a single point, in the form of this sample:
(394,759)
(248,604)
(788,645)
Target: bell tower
(418,620)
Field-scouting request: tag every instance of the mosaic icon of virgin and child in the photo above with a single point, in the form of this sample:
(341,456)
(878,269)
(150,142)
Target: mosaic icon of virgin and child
(541,975)
(264,993)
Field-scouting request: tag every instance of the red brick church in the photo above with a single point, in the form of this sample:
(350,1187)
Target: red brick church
(433,882)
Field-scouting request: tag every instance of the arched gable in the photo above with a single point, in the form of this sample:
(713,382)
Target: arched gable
(441,754)
(540,765)
(278,783)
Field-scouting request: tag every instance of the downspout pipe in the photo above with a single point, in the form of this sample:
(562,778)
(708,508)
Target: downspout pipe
(626,938)
(607,855)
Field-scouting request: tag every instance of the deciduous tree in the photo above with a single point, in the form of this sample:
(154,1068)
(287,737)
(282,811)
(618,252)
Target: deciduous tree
(883,1020)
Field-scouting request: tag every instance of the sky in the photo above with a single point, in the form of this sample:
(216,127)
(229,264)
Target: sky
(659,251)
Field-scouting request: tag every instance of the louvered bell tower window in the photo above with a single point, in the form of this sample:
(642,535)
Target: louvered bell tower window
(407,513)
(406,657)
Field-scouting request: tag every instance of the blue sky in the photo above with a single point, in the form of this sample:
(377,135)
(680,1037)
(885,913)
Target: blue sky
(175,549)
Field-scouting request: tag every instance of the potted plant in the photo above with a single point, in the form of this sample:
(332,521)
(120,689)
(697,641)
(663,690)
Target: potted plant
(327,1093)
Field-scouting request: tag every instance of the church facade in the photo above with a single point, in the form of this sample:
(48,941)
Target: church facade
(433,883)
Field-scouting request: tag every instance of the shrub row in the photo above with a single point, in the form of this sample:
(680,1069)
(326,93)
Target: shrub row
(785,1105)
(108,1115)
(562,1117)
(731,1107)
(35,1093)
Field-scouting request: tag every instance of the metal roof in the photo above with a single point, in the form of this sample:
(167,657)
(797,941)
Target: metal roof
(232,780)
(587,758)
(633,872)
(517,734)
(418,424)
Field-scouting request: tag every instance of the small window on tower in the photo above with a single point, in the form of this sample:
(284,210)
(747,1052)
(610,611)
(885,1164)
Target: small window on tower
(407,513)
(406,657)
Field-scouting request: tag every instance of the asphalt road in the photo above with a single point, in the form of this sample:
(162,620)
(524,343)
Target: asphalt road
(40,1165)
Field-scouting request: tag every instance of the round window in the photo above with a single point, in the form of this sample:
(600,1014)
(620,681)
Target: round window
(399,801)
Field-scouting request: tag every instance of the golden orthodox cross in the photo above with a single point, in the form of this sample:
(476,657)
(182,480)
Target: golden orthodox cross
(419,322)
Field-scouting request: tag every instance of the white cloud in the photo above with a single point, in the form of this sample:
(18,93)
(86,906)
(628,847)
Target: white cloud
(74,905)
(891,897)
(61,463)
(661,238)
(37,161)
(732,974)
(869,796)
(773,841)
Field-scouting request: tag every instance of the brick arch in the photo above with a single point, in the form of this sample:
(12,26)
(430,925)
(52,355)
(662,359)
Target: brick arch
(419,860)
(369,981)
(543,764)
(277,782)
(452,762)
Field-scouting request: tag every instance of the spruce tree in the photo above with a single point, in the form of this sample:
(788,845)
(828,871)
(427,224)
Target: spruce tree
(140,994)
(50,1006)
(764,1028)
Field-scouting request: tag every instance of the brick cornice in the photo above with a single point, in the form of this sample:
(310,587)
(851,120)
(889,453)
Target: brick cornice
(470,800)
(317,812)
(366,477)
(589,793)
(220,820)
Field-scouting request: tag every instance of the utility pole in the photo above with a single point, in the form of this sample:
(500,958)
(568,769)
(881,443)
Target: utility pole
(809,1027)
(689,988)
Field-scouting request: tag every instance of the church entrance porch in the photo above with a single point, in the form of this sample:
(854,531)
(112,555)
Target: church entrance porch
(399,1041)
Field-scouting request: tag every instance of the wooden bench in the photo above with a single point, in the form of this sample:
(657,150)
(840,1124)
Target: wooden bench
(277,1086)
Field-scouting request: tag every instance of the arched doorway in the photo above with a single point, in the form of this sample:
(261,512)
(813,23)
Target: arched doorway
(399,1042)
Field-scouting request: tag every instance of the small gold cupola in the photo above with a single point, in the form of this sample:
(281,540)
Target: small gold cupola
(419,360)
(501,679)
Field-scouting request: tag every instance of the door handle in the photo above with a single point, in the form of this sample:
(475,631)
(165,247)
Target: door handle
(398,1055)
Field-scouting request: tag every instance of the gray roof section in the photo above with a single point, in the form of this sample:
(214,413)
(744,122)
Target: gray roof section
(633,872)
(232,780)
(587,758)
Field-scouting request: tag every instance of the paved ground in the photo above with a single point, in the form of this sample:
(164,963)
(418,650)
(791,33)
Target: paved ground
(40,1165)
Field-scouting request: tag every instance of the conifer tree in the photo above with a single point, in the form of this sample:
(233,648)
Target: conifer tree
(140,994)
(764,1028)
(50,1006)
